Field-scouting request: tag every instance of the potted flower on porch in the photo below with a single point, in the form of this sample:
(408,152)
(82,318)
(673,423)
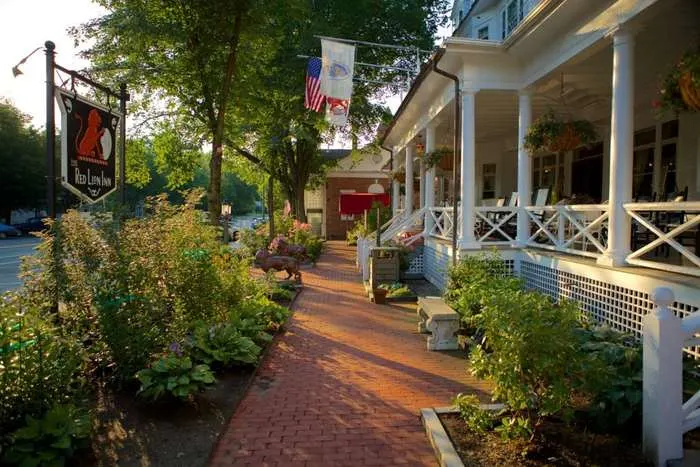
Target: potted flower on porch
(554,134)
(440,157)
(680,88)
(399,175)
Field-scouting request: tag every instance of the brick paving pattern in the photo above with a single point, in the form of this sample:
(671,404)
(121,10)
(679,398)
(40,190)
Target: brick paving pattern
(344,384)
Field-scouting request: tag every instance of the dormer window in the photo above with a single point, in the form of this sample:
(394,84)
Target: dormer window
(483,33)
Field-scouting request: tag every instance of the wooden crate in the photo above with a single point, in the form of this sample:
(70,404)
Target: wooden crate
(383,265)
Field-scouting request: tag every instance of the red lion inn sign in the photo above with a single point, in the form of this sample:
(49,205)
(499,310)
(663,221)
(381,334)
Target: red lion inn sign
(88,141)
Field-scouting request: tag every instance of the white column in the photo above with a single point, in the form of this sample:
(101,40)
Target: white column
(662,377)
(429,177)
(410,152)
(468,179)
(621,149)
(421,183)
(395,186)
(524,168)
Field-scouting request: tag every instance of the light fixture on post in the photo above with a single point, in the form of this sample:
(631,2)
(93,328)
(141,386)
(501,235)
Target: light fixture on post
(226,214)
(15,69)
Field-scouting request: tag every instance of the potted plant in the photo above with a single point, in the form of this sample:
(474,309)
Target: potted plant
(680,88)
(551,133)
(399,175)
(441,157)
(379,295)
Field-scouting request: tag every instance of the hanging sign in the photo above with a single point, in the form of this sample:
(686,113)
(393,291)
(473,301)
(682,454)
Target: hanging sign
(88,141)
(337,70)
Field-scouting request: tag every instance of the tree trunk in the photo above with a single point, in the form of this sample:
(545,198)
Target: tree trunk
(300,207)
(271,206)
(214,191)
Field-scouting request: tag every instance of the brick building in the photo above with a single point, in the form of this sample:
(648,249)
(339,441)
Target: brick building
(352,174)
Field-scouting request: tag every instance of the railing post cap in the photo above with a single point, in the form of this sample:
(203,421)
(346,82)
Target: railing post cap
(662,296)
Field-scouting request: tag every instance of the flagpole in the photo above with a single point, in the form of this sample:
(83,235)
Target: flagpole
(375,44)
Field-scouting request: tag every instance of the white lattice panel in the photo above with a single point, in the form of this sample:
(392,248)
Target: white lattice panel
(416,263)
(620,307)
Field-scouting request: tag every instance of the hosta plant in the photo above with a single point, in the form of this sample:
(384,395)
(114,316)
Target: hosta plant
(222,344)
(174,375)
(51,440)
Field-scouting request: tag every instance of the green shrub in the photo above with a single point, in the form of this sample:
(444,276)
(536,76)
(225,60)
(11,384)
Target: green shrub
(50,440)
(222,344)
(611,376)
(174,375)
(472,283)
(477,419)
(396,290)
(531,356)
(38,366)
(254,317)
(252,240)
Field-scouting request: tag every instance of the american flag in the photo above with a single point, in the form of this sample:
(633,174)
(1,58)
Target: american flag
(314,100)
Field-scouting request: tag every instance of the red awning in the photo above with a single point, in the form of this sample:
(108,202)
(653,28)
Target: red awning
(357,203)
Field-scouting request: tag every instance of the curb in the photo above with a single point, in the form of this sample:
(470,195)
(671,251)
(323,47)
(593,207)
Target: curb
(439,439)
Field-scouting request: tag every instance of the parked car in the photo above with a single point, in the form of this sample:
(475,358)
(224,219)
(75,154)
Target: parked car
(34,224)
(9,231)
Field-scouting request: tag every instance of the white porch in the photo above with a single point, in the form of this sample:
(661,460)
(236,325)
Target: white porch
(640,183)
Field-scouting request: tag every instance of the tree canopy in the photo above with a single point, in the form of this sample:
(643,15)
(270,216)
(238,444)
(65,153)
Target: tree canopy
(227,72)
(23,174)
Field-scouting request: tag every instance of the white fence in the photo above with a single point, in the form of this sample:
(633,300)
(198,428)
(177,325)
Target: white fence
(666,418)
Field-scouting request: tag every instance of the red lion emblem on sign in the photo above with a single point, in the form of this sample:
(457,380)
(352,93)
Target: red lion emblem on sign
(88,144)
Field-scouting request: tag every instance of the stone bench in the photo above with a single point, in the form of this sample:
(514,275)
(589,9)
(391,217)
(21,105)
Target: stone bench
(436,317)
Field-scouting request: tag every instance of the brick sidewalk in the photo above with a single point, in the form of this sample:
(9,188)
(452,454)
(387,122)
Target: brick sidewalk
(344,384)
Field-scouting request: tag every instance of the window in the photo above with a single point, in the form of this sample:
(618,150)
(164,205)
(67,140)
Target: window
(669,137)
(511,16)
(547,170)
(488,178)
(483,33)
(643,164)
(503,24)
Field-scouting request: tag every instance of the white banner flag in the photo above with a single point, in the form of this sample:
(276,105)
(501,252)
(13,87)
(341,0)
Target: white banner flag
(338,67)
(337,111)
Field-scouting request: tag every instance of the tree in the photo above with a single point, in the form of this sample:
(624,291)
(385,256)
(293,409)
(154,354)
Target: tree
(181,54)
(273,130)
(23,174)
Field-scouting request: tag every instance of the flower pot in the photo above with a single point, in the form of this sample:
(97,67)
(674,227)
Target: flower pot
(690,92)
(568,140)
(400,177)
(446,162)
(380,296)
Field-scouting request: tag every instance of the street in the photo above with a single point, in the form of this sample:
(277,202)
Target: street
(11,250)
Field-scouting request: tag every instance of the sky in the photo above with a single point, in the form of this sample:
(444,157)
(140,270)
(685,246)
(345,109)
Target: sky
(26,25)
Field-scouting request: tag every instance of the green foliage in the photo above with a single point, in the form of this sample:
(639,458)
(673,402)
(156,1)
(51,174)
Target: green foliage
(670,99)
(255,317)
(529,353)
(38,365)
(173,375)
(434,157)
(473,281)
(253,240)
(546,129)
(51,440)
(396,290)
(611,376)
(477,419)
(22,180)
(222,344)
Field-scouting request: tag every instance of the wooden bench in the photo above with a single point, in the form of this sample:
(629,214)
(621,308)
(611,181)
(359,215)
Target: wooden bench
(436,317)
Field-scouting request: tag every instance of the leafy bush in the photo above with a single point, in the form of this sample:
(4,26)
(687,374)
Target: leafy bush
(222,344)
(252,240)
(477,419)
(253,318)
(531,353)
(396,290)
(472,283)
(38,366)
(174,374)
(51,440)
(611,375)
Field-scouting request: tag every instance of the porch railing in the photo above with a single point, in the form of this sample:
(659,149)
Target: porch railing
(496,225)
(662,234)
(577,229)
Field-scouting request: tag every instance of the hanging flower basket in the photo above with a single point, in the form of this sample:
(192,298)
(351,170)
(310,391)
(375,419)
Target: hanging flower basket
(553,134)
(399,176)
(440,157)
(680,88)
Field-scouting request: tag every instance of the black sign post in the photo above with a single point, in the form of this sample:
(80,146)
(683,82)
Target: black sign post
(88,138)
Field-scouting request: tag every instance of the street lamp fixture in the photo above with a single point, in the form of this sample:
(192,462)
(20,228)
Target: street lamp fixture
(226,214)
(15,69)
